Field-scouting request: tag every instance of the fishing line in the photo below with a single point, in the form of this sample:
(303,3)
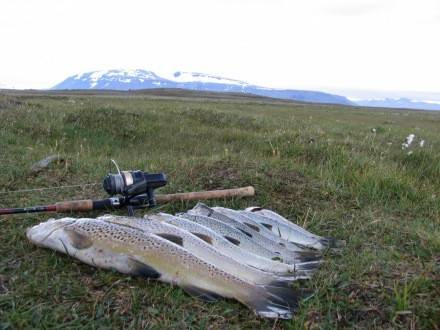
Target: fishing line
(45,189)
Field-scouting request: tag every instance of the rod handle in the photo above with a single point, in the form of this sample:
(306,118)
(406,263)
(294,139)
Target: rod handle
(74,206)
(211,194)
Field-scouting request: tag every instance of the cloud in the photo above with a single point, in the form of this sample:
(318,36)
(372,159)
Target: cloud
(358,8)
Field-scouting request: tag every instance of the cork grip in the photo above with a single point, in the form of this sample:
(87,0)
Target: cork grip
(201,195)
(75,206)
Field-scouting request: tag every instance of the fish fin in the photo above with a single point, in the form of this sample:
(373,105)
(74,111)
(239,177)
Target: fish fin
(203,209)
(307,256)
(281,282)
(142,269)
(172,238)
(333,242)
(254,209)
(203,237)
(268,305)
(252,226)
(308,266)
(78,241)
(245,232)
(290,297)
(268,226)
(232,240)
(201,294)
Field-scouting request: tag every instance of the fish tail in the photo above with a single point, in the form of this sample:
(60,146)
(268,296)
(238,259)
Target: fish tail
(308,256)
(273,302)
(266,305)
(308,266)
(292,258)
(333,242)
(282,281)
(291,297)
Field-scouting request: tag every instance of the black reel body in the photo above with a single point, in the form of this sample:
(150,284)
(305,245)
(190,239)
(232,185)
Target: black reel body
(136,187)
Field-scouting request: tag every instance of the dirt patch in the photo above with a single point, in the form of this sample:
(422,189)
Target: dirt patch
(219,175)
(292,189)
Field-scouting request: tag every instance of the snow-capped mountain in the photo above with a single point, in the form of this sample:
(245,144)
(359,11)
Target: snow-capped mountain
(142,79)
(113,79)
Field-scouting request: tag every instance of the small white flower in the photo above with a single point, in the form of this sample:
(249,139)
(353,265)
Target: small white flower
(373,130)
(422,143)
(410,152)
(408,140)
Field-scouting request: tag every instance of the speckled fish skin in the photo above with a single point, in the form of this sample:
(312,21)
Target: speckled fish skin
(289,234)
(275,245)
(235,219)
(132,251)
(278,219)
(287,228)
(291,244)
(248,240)
(301,270)
(232,234)
(202,250)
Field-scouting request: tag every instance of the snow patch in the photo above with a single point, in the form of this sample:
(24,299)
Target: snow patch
(180,76)
(96,75)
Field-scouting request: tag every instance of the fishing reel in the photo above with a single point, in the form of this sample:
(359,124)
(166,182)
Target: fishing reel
(136,187)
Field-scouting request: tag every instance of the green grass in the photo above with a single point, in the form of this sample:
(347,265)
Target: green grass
(320,165)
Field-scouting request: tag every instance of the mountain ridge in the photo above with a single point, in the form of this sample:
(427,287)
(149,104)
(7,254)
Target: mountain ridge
(117,79)
(399,103)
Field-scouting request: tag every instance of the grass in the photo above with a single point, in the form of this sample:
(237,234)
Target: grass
(320,165)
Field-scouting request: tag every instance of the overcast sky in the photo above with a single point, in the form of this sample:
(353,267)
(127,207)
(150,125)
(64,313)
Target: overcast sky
(391,45)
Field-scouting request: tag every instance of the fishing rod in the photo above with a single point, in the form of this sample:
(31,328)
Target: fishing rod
(133,190)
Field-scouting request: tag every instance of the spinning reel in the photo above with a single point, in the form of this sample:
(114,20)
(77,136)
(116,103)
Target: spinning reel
(136,188)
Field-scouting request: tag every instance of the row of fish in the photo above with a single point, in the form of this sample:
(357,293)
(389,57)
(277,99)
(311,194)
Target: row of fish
(251,255)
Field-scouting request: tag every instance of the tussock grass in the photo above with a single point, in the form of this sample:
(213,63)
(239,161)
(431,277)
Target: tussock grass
(322,166)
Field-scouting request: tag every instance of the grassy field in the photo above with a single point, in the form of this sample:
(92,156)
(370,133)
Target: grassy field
(338,171)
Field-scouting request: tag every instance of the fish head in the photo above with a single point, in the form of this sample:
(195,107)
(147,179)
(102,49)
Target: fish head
(48,233)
